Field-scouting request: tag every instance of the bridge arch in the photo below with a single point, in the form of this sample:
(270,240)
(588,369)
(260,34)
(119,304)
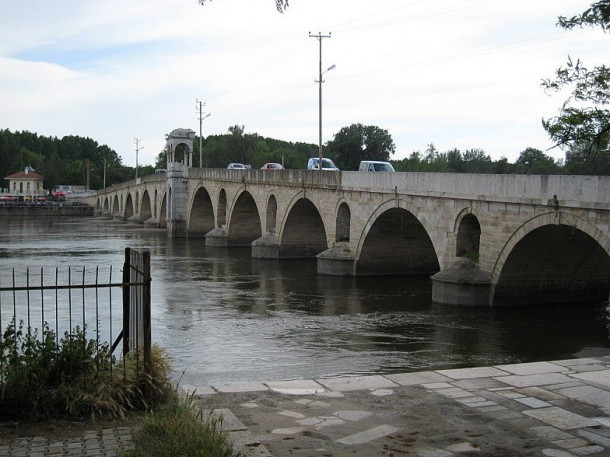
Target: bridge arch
(106,207)
(115,205)
(201,215)
(271,215)
(163,212)
(154,206)
(395,242)
(468,235)
(145,207)
(129,211)
(244,225)
(221,213)
(303,234)
(554,257)
(343,223)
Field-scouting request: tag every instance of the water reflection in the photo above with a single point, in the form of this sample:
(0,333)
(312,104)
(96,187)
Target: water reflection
(226,317)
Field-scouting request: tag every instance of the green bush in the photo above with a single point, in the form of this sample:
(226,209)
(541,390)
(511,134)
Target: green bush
(40,377)
(177,429)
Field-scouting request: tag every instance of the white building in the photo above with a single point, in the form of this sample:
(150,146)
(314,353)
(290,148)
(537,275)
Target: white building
(26,185)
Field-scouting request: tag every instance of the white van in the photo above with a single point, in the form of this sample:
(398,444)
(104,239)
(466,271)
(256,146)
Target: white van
(375,165)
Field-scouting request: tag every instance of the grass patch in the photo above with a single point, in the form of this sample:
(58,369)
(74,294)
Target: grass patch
(177,428)
(75,377)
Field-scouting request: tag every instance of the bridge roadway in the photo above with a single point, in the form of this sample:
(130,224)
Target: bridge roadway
(484,239)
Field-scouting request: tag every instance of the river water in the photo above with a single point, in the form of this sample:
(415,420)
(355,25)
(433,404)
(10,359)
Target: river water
(225,317)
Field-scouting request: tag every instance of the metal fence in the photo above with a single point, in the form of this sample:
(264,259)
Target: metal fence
(91,300)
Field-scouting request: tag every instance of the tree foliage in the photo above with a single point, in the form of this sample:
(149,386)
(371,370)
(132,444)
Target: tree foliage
(61,160)
(583,123)
(360,142)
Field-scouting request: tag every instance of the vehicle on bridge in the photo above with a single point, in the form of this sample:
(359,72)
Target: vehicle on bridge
(327,164)
(272,166)
(236,166)
(375,165)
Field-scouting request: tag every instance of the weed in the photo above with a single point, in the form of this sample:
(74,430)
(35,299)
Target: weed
(176,428)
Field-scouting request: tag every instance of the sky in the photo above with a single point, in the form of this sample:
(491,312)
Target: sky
(456,74)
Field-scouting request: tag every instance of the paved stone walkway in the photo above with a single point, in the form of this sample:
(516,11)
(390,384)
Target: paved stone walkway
(103,443)
(555,409)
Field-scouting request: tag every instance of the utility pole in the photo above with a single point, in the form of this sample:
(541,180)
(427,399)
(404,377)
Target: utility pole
(201,118)
(137,142)
(319,37)
(104,173)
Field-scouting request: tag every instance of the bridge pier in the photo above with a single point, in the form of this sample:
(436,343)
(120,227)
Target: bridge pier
(266,247)
(462,284)
(216,237)
(337,261)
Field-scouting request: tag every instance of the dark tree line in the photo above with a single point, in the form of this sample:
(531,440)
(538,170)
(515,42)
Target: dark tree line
(531,161)
(66,160)
(61,160)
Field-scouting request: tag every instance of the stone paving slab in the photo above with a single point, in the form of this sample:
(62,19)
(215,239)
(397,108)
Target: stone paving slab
(538,409)
(556,409)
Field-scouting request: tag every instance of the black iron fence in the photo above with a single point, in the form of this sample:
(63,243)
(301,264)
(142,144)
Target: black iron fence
(89,300)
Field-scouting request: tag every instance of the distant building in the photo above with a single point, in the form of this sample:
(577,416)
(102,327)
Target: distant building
(25,185)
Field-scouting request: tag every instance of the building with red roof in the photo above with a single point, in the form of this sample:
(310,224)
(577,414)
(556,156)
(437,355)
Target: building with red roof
(25,185)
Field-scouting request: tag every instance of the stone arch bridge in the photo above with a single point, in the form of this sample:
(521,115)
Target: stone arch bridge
(483,239)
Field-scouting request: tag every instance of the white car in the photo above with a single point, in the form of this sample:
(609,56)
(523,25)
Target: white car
(327,164)
(375,165)
(236,166)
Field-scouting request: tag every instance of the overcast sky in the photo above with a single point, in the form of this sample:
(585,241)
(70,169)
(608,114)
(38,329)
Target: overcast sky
(458,74)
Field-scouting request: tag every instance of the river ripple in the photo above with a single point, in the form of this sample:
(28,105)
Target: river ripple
(225,317)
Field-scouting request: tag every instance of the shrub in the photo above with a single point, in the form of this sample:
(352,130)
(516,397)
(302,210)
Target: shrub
(177,429)
(75,376)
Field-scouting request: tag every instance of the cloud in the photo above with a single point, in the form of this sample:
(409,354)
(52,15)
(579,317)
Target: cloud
(463,75)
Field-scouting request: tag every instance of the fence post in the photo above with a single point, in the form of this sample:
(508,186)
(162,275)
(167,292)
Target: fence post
(126,300)
(146,312)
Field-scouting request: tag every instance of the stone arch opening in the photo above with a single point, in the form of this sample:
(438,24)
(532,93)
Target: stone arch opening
(245,224)
(106,207)
(222,209)
(162,214)
(201,219)
(343,223)
(179,145)
(303,234)
(271,219)
(397,244)
(145,209)
(468,237)
(136,203)
(128,208)
(168,195)
(115,205)
(554,264)
(154,208)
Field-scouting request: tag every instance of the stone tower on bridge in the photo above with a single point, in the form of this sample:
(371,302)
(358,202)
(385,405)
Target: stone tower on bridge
(177,179)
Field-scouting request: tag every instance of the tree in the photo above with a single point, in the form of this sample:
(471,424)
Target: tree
(360,142)
(535,162)
(281,5)
(583,122)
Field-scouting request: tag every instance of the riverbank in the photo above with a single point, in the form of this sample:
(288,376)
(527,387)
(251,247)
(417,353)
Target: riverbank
(46,210)
(554,409)
(558,409)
